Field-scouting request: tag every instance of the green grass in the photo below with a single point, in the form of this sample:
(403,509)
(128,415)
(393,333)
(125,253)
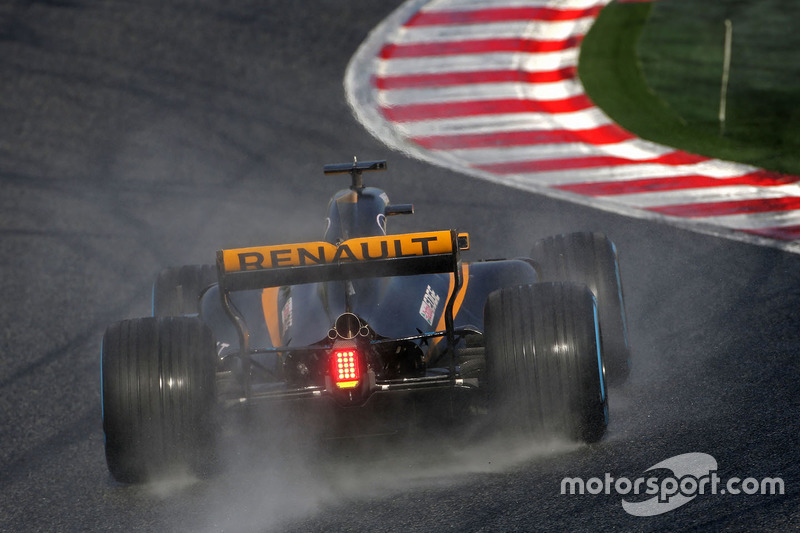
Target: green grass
(656,70)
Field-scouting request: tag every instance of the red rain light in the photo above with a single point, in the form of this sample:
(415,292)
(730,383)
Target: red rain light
(345,368)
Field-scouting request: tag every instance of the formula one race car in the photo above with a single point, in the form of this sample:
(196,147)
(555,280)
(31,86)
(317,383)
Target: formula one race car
(366,321)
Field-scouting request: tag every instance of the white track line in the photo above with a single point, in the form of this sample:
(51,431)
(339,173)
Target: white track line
(481,91)
(520,29)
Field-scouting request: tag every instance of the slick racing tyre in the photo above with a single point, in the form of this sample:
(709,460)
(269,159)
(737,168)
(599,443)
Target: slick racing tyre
(591,259)
(543,361)
(177,290)
(158,377)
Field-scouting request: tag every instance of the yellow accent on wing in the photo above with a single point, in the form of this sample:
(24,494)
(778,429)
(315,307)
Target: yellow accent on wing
(263,257)
(269,304)
(320,253)
(440,326)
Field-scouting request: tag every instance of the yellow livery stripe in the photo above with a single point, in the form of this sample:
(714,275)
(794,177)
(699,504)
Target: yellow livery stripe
(269,303)
(440,326)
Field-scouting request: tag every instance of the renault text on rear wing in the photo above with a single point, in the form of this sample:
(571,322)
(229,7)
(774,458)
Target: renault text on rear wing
(293,264)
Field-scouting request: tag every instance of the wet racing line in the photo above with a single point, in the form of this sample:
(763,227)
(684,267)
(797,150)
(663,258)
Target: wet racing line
(491,89)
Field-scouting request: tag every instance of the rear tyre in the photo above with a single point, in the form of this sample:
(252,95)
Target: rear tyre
(543,361)
(177,290)
(158,378)
(591,259)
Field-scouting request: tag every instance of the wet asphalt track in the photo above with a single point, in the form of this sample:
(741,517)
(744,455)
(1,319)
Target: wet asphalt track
(136,135)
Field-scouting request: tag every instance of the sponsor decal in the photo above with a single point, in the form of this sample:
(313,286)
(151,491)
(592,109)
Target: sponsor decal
(286,316)
(321,253)
(429,304)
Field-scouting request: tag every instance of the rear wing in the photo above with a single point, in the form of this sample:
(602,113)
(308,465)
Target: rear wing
(407,254)
(293,264)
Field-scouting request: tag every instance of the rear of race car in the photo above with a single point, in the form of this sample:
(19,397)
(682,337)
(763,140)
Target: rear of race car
(351,327)
(333,341)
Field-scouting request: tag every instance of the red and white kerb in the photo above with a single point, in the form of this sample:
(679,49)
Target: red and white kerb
(490,88)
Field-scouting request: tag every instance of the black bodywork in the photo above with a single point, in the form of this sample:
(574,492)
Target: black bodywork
(417,321)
